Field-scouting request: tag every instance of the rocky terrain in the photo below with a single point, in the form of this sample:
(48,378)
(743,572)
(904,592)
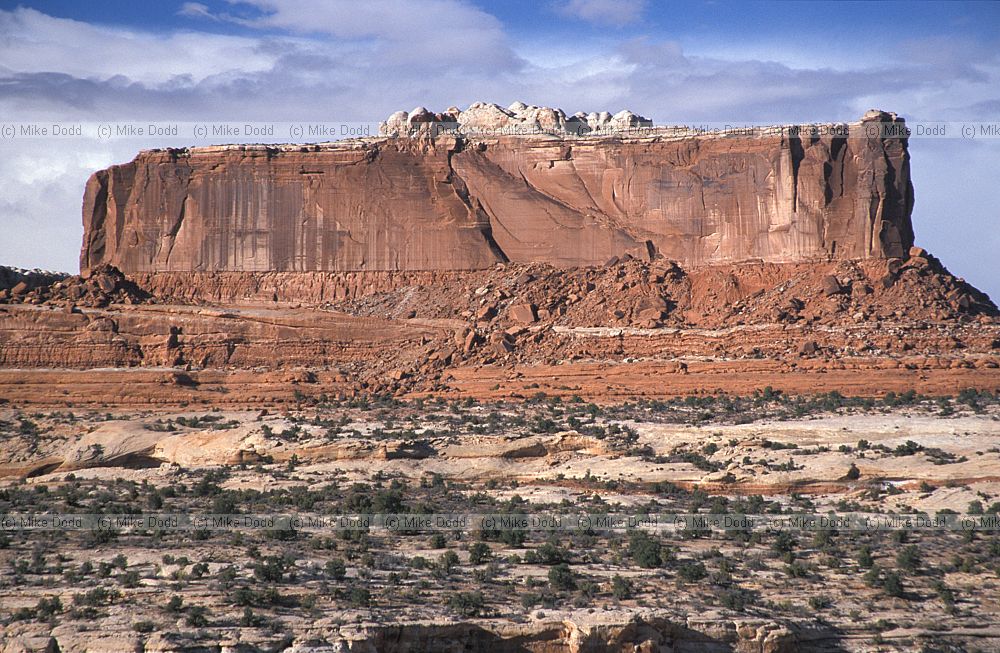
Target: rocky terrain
(374,588)
(627,329)
(503,311)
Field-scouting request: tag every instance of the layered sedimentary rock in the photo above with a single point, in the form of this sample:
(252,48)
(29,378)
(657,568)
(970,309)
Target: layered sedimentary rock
(460,201)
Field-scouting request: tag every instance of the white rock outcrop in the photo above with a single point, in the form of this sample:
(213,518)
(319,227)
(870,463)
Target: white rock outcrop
(518,118)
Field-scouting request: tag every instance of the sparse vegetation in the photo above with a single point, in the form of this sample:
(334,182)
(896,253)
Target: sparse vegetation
(276,578)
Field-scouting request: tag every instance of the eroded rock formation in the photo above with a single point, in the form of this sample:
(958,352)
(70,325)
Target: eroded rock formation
(464,200)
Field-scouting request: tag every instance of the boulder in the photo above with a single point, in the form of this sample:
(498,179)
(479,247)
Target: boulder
(831,286)
(650,315)
(486,312)
(523,313)
(471,340)
(808,348)
(395,125)
(419,115)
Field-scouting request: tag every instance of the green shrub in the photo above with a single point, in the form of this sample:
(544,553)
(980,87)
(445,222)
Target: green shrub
(550,554)
(893,585)
(736,599)
(48,606)
(561,577)
(447,562)
(359,597)
(691,572)
(622,588)
(865,559)
(784,542)
(467,604)
(197,616)
(820,602)
(908,558)
(335,569)
(645,550)
(479,553)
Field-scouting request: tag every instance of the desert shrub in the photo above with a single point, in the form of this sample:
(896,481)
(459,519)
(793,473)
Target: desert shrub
(691,572)
(550,554)
(622,588)
(736,598)
(359,597)
(244,596)
(467,604)
(645,550)
(270,569)
(48,606)
(335,569)
(99,536)
(873,577)
(479,553)
(796,570)
(820,602)
(865,559)
(893,585)
(784,542)
(130,579)
(946,594)
(447,562)
(249,619)
(561,577)
(96,597)
(908,448)
(908,558)
(530,600)
(197,616)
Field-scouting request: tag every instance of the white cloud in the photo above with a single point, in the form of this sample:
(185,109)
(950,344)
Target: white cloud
(40,203)
(616,13)
(33,42)
(195,10)
(420,35)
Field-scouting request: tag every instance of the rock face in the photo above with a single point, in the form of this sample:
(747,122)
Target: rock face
(460,201)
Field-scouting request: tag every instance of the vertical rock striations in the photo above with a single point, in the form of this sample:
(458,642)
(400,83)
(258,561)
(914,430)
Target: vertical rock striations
(575,191)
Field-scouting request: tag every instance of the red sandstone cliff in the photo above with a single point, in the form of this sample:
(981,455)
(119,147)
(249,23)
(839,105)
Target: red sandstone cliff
(458,202)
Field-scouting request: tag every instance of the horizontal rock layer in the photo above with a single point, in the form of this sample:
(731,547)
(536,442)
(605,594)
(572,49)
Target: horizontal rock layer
(460,203)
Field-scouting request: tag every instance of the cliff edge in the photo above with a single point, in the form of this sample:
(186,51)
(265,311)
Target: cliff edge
(571,191)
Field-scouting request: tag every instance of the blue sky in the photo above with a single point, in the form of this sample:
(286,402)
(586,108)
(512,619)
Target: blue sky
(686,22)
(684,62)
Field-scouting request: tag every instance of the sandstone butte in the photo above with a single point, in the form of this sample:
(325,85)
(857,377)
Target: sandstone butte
(585,190)
(498,253)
